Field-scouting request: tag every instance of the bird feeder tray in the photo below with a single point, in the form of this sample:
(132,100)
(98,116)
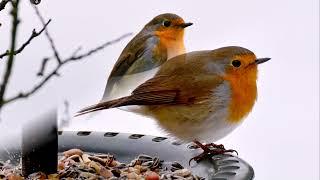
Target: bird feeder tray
(127,146)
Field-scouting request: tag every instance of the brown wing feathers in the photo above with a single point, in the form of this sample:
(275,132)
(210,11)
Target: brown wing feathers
(159,91)
(146,98)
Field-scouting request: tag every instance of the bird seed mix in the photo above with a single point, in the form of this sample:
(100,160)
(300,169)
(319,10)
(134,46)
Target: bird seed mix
(76,164)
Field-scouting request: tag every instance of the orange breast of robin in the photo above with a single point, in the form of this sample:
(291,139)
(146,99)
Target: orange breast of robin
(244,93)
(172,39)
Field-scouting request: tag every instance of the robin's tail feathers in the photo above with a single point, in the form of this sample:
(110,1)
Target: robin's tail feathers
(103,105)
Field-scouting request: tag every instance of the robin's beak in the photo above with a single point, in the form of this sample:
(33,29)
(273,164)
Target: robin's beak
(261,60)
(184,25)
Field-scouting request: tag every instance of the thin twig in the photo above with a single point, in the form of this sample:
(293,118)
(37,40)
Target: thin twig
(76,51)
(6,76)
(75,58)
(53,47)
(33,35)
(43,66)
(65,116)
(3,4)
(54,72)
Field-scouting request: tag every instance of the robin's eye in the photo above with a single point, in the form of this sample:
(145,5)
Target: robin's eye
(166,23)
(236,63)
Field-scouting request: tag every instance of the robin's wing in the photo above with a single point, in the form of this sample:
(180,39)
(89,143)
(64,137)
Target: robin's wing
(188,88)
(165,90)
(141,54)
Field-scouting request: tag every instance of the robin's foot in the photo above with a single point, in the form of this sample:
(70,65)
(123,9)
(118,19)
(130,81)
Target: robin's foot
(210,145)
(213,145)
(208,152)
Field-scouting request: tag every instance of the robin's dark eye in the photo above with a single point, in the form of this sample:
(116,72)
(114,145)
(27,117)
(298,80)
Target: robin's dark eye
(166,23)
(236,63)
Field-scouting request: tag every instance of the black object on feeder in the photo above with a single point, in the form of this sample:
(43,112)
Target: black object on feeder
(40,145)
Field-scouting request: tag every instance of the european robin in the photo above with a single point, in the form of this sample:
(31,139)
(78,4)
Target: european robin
(202,95)
(159,40)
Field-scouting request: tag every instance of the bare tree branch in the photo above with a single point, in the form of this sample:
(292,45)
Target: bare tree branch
(45,77)
(6,76)
(45,61)
(53,47)
(33,35)
(54,72)
(3,4)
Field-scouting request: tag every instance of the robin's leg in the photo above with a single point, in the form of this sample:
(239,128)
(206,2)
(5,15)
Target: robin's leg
(207,152)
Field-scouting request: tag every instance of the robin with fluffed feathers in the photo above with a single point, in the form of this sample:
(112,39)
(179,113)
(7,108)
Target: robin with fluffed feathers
(202,95)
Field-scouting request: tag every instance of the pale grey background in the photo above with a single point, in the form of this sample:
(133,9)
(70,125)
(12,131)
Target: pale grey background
(280,138)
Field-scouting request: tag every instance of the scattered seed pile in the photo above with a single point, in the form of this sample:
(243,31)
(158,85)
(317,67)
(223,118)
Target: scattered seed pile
(75,164)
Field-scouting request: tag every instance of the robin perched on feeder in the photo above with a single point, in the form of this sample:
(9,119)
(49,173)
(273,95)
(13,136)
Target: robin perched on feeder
(202,95)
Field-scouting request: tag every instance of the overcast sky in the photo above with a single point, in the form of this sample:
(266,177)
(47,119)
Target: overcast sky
(280,138)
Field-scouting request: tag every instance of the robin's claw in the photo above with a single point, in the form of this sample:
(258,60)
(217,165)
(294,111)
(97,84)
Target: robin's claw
(233,151)
(191,160)
(198,158)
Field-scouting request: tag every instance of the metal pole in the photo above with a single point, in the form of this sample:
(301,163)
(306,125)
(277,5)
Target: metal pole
(40,145)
